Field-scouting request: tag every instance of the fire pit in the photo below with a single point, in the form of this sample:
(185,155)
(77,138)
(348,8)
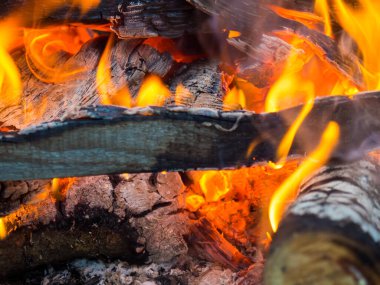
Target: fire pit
(189,142)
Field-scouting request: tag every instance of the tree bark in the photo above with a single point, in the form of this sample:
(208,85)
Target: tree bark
(331,233)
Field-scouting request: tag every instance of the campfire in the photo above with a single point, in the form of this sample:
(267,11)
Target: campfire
(189,142)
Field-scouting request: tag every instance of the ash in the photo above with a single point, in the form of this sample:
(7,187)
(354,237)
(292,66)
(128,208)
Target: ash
(83,271)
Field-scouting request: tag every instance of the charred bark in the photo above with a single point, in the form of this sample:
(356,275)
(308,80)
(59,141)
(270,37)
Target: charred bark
(136,219)
(332,230)
(109,139)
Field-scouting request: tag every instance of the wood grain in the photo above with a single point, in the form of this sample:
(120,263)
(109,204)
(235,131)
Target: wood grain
(107,139)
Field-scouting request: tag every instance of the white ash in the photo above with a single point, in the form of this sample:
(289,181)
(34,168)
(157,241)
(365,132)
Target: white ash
(84,271)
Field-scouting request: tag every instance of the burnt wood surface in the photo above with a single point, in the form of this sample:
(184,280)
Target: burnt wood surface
(106,139)
(136,218)
(332,230)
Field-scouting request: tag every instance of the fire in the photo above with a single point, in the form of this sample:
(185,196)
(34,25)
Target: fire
(3,229)
(109,94)
(153,92)
(234,99)
(288,190)
(10,79)
(45,50)
(362,23)
(321,8)
(83,5)
(60,186)
(291,88)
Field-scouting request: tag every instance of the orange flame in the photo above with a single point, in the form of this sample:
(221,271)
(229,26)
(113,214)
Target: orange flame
(45,48)
(234,99)
(321,8)
(153,92)
(362,23)
(289,89)
(60,186)
(3,229)
(288,190)
(214,185)
(109,94)
(10,79)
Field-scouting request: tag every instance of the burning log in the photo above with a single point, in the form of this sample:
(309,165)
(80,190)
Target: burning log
(135,218)
(108,139)
(332,230)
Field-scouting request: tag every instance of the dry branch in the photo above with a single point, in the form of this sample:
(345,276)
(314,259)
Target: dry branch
(331,233)
(108,139)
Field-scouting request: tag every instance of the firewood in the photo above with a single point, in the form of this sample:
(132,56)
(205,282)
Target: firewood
(108,139)
(43,101)
(331,233)
(152,18)
(253,19)
(135,218)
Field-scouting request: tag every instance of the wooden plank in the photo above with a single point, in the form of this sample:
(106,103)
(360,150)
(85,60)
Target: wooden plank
(107,139)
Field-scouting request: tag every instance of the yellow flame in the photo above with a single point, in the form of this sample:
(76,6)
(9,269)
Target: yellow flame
(10,79)
(321,8)
(288,190)
(362,23)
(234,98)
(52,5)
(194,202)
(214,185)
(109,95)
(153,92)
(233,34)
(3,229)
(291,86)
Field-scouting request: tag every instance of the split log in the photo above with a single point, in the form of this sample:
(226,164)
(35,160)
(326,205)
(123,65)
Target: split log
(108,139)
(135,218)
(331,233)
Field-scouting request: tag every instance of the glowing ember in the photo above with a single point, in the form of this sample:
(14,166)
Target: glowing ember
(60,186)
(286,193)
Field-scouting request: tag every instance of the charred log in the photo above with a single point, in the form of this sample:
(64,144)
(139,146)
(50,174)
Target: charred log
(332,230)
(152,18)
(115,140)
(136,219)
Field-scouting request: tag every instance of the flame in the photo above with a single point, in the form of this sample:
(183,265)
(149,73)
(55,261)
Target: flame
(52,5)
(288,190)
(321,8)
(310,20)
(194,202)
(10,79)
(60,186)
(45,49)
(109,94)
(3,229)
(234,99)
(214,185)
(233,34)
(290,88)
(153,92)
(362,23)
